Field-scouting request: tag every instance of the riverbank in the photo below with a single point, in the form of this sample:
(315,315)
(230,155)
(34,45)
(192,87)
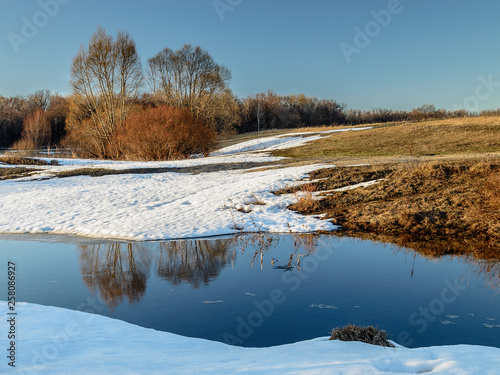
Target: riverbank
(439,207)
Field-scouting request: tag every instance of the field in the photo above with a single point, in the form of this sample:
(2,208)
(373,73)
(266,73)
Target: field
(438,188)
(452,138)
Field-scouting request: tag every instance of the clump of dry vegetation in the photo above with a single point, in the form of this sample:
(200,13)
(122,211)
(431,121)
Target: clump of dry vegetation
(11,173)
(19,160)
(369,335)
(306,199)
(256,201)
(163,133)
(417,203)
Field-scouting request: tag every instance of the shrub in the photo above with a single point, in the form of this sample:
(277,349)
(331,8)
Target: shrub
(86,136)
(307,201)
(36,132)
(162,133)
(370,335)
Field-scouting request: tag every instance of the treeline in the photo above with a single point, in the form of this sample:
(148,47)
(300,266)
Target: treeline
(424,112)
(40,116)
(271,111)
(174,107)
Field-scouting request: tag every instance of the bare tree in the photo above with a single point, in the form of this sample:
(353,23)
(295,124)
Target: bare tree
(36,132)
(182,77)
(40,99)
(13,110)
(105,77)
(190,78)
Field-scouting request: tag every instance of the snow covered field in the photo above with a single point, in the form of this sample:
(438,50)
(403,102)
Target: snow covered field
(60,341)
(160,206)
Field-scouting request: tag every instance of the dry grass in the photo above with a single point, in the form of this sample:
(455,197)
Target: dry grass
(19,160)
(256,201)
(93,172)
(306,199)
(434,202)
(12,173)
(369,335)
(485,212)
(437,137)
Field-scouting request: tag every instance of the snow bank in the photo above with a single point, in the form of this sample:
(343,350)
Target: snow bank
(279,142)
(267,144)
(154,206)
(59,341)
(159,206)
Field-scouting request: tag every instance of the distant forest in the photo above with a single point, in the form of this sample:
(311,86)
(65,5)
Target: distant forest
(178,104)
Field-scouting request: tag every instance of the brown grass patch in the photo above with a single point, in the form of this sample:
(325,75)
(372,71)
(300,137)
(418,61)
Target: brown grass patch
(434,202)
(306,199)
(12,173)
(485,212)
(370,335)
(256,201)
(436,137)
(19,160)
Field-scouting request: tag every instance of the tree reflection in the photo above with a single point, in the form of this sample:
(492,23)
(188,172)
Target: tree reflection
(488,269)
(115,271)
(483,261)
(195,262)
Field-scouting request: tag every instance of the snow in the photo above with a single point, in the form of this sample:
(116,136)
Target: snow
(154,206)
(158,206)
(352,187)
(280,142)
(60,341)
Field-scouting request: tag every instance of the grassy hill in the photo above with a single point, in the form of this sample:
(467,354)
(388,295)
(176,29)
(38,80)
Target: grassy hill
(470,135)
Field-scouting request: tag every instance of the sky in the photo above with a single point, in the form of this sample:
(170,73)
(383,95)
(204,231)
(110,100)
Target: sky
(396,54)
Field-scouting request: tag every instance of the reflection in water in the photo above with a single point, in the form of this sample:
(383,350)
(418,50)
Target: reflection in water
(489,269)
(195,262)
(261,242)
(484,263)
(116,270)
(120,270)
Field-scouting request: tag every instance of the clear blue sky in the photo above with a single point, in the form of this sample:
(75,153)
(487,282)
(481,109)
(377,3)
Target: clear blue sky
(431,51)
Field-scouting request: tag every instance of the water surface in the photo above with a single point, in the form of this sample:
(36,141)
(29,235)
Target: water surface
(263,290)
